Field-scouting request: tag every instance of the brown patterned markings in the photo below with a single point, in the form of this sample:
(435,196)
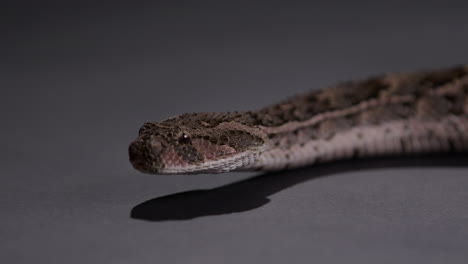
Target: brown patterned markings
(422,82)
(238,139)
(464,91)
(212,151)
(277,114)
(464,88)
(189,153)
(210,120)
(432,107)
(385,113)
(465,108)
(454,95)
(439,78)
(298,137)
(309,133)
(348,94)
(172,158)
(338,97)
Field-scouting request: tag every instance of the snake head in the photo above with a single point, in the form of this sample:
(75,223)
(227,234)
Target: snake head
(195,143)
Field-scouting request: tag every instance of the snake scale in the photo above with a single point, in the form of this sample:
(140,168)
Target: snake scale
(425,111)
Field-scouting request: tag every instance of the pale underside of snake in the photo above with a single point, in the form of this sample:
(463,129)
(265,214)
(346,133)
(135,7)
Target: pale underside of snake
(392,114)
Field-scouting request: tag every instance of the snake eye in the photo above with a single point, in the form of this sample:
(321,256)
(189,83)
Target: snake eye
(184,139)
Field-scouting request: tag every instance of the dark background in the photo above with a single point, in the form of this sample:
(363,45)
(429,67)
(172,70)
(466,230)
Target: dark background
(79,78)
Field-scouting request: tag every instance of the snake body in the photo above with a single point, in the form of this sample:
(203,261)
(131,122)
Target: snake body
(425,111)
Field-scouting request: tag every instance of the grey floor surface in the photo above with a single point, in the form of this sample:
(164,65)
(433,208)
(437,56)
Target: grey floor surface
(77,81)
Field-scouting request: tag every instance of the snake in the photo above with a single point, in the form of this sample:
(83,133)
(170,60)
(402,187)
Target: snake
(424,111)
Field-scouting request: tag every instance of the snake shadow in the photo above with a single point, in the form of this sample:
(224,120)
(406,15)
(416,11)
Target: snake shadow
(253,193)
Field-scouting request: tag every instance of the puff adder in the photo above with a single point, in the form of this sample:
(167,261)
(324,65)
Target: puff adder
(392,114)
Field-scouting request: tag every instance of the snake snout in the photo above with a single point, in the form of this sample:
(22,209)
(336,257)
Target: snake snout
(136,155)
(145,154)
